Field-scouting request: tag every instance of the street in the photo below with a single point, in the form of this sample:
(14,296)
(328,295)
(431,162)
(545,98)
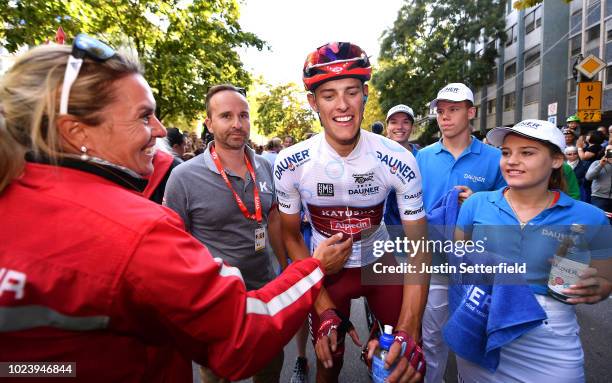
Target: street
(596,333)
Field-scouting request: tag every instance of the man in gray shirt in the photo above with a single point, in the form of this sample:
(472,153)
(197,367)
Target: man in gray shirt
(226,198)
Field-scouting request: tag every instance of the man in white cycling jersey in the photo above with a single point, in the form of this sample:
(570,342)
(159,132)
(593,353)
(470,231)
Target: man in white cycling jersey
(342,178)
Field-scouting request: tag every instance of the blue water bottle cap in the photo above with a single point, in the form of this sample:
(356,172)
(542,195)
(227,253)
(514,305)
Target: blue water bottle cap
(386,339)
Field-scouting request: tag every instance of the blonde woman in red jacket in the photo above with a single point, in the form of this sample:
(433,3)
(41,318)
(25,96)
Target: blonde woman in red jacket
(93,273)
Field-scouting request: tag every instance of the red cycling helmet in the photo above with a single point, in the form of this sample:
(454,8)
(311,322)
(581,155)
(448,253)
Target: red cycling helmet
(334,61)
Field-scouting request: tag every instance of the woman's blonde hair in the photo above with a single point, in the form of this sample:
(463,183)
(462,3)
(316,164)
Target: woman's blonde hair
(29,101)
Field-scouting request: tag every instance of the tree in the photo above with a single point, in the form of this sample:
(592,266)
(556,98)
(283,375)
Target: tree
(282,111)
(185,47)
(431,44)
(373,111)
(530,3)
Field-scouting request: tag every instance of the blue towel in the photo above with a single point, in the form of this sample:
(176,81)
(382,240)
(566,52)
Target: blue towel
(486,312)
(442,217)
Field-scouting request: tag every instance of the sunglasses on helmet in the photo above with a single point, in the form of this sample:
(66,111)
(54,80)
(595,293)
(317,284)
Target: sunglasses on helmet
(83,46)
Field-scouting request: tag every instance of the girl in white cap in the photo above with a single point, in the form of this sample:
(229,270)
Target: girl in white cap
(533,213)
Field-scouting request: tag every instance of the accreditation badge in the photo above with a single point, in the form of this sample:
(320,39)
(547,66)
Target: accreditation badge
(260,238)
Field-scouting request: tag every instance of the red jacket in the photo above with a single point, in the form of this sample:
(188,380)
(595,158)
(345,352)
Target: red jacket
(93,273)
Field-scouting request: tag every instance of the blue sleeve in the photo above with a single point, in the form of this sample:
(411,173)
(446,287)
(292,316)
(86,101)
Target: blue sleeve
(600,243)
(465,220)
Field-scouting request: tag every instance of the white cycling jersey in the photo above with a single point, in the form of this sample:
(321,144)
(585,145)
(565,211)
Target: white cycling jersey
(347,194)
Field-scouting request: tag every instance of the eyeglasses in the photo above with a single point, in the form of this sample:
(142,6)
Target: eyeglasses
(83,46)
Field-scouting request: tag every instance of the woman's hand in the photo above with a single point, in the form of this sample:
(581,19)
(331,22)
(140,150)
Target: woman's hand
(333,254)
(591,288)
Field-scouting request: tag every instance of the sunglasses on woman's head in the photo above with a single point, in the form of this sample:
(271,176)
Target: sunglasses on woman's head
(83,46)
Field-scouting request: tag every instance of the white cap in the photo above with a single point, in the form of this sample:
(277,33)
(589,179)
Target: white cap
(537,129)
(388,329)
(454,92)
(401,108)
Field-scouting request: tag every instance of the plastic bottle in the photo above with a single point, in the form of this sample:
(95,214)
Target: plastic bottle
(379,373)
(571,258)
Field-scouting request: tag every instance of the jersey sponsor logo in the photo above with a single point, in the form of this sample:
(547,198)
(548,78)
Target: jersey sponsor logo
(291,163)
(413,196)
(413,212)
(352,220)
(325,190)
(397,167)
(12,281)
(282,193)
(284,205)
(351,226)
(363,185)
(474,178)
(363,178)
(364,190)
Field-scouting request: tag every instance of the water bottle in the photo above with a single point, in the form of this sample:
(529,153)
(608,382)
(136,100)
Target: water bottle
(379,373)
(571,258)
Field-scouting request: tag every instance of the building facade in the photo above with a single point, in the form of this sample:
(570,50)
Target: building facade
(531,72)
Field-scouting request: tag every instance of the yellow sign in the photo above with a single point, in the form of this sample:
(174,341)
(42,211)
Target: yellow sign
(589,95)
(590,66)
(589,115)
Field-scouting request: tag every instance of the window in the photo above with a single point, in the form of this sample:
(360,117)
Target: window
(593,3)
(533,20)
(509,70)
(529,22)
(492,79)
(532,57)
(491,106)
(609,30)
(492,45)
(576,45)
(509,101)
(593,33)
(609,75)
(571,87)
(531,94)
(511,35)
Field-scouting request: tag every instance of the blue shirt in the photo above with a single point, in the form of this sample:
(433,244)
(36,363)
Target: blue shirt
(477,168)
(489,218)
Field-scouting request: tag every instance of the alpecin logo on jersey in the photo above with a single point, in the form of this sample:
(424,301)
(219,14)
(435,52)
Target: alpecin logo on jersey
(291,163)
(397,167)
(363,185)
(351,226)
(325,190)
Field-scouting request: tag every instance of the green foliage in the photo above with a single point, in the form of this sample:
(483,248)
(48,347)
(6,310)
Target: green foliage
(530,3)
(373,111)
(185,46)
(431,44)
(282,110)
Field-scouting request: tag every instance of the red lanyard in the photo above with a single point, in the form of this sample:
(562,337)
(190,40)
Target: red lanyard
(257,216)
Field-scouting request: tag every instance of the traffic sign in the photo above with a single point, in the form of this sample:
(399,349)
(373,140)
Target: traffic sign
(590,66)
(589,95)
(589,115)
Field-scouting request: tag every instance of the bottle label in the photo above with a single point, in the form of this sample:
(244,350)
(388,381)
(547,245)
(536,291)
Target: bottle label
(379,373)
(563,273)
